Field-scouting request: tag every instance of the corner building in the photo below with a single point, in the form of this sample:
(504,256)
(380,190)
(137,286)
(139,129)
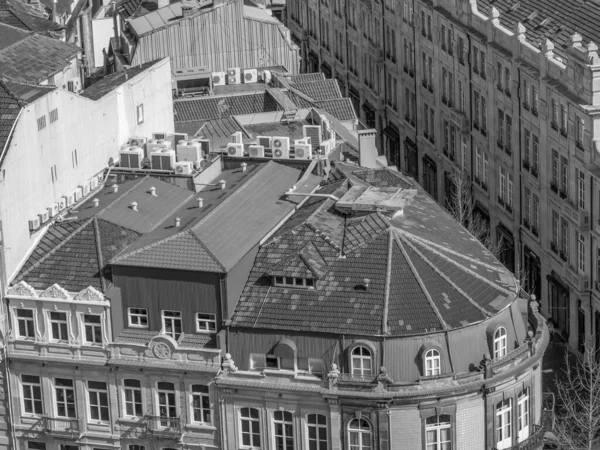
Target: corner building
(507,91)
(372,320)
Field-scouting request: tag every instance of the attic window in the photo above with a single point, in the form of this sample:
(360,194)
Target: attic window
(296,282)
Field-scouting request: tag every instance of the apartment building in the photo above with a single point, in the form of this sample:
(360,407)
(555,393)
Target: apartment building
(505,91)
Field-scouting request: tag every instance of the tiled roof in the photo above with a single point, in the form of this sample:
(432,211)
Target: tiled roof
(219,131)
(10,34)
(126,8)
(198,340)
(35,58)
(74,253)
(340,108)
(27,17)
(304,77)
(26,92)
(10,107)
(183,251)
(207,108)
(107,84)
(424,274)
(135,336)
(567,17)
(319,90)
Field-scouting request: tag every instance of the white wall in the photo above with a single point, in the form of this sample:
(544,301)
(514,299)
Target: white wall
(96,129)
(102,31)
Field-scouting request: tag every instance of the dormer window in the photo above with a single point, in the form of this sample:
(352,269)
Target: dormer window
(432,363)
(294,282)
(361,361)
(500,343)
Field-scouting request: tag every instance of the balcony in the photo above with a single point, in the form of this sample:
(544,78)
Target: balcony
(163,426)
(533,442)
(61,427)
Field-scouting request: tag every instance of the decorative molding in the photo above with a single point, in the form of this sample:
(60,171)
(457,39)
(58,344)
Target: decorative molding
(161,350)
(22,289)
(90,294)
(55,291)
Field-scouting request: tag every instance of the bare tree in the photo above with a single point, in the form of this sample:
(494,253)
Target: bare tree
(461,205)
(577,424)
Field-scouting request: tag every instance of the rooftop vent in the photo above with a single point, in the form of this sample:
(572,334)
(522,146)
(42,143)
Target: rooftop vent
(177,222)
(366,283)
(153,191)
(243,166)
(515,6)
(115,188)
(222,183)
(530,17)
(134,206)
(96,202)
(200,202)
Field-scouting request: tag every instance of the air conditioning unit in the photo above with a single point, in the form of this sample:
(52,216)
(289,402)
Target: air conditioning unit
(235,149)
(280,143)
(34,224)
(85,189)
(163,160)
(233,76)
(237,137)
(69,199)
(180,137)
(166,142)
(218,78)
(77,194)
(44,217)
(159,135)
(250,75)
(93,182)
(153,146)
(132,157)
(326,147)
(184,168)
(204,145)
(314,133)
(190,151)
(136,141)
(303,151)
(62,204)
(53,209)
(265,141)
(267,76)
(303,141)
(256,151)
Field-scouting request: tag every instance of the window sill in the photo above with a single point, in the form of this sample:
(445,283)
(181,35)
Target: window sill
(200,427)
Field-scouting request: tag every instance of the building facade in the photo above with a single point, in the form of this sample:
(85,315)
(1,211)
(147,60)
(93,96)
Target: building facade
(508,94)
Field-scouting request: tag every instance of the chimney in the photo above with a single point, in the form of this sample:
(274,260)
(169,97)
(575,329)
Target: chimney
(243,166)
(55,18)
(134,206)
(200,202)
(222,184)
(367,149)
(177,222)
(96,202)
(115,188)
(153,191)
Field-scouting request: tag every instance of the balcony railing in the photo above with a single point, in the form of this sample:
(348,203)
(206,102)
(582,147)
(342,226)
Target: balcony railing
(163,425)
(61,426)
(533,442)
(352,378)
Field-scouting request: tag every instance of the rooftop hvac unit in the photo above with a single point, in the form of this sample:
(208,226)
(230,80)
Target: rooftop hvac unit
(280,143)
(326,147)
(250,75)
(77,194)
(166,142)
(303,151)
(233,75)
(190,151)
(53,209)
(256,151)
(163,160)
(304,140)
(184,168)
(132,157)
(62,204)
(159,135)
(205,146)
(265,141)
(235,149)
(180,137)
(44,217)
(218,78)
(69,200)
(137,141)
(267,76)
(153,146)
(34,224)
(93,183)
(314,133)
(237,137)
(85,188)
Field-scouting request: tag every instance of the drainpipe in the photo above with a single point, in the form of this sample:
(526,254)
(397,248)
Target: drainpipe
(8,393)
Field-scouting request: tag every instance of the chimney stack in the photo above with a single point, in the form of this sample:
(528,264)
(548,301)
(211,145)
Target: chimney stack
(367,150)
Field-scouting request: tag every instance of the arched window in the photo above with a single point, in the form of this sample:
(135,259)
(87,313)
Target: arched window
(359,434)
(432,363)
(362,363)
(500,343)
(438,431)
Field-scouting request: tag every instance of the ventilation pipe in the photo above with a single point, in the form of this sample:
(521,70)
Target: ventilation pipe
(222,184)
(177,222)
(153,191)
(134,206)
(96,202)
(200,202)
(115,188)
(243,166)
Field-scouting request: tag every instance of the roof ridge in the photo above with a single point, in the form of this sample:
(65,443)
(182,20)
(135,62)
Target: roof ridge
(415,273)
(323,236)
(464,268)
(100,259)
(388,277)
(206,249)
(56,248)
(20,102)
(121,256)
(306,262)
(485,312)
